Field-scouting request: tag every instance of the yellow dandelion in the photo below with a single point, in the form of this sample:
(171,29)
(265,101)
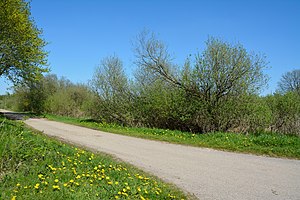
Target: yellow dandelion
(116,183)
(56,187)
(37,186)
(125,194)
(56,180)
(18,185)
(142,198)
(65,184)
(116,197)
(71,181)
(14,198)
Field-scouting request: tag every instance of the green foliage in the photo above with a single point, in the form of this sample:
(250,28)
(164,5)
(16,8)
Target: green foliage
(53,95)
(285,113)
(72,100)
(31,97)
(113,93)
(22,56)
(216,91)
(33,166)
(7,101)
(219,82)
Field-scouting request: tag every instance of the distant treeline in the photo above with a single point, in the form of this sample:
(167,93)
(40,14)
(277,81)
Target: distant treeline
(217,90)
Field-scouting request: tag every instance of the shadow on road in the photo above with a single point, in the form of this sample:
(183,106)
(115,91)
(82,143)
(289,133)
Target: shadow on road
(16,115)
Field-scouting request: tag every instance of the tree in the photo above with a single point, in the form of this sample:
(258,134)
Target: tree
(219,77)
(22,55)
(290,82)
(111,86)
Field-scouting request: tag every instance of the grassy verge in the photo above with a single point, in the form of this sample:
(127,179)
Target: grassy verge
(33,166)
(271,144)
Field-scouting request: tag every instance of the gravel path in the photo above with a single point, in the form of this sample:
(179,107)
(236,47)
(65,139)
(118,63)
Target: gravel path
(206,173)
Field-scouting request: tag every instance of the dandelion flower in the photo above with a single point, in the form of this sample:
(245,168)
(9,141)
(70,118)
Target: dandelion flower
(56,187)
(56,180)
(14,198)
(142,198)
(37,186)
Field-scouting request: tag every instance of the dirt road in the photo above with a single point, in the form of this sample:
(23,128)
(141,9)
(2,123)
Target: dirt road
(207,173)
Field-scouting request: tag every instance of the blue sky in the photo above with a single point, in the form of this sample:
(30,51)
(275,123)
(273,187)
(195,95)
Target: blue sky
(81,33)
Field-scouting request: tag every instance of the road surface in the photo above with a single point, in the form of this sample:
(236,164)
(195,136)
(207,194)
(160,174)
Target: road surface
(206,173)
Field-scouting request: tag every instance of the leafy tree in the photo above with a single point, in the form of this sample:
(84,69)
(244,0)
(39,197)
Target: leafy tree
(111,86)
(220,77)
(290,82)
(22,54)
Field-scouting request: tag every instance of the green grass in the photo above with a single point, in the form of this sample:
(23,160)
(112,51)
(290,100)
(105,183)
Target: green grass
(34,166)
(271,144)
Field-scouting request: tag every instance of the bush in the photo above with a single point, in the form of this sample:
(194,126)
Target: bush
(285,113)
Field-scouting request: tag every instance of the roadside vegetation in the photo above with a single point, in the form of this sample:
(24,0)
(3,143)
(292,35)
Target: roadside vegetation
(33,166)
(217,91)
(213,100)
(271,144)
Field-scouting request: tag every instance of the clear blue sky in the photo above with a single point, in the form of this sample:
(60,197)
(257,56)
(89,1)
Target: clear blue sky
(81,33)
